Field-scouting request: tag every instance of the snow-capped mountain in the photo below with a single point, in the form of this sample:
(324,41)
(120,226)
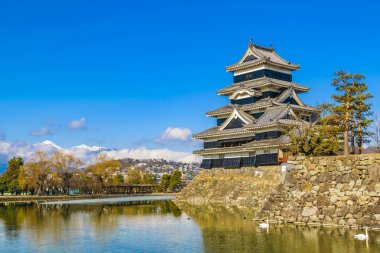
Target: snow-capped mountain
(47,146)
(92,149)
(88,154)
(89,148)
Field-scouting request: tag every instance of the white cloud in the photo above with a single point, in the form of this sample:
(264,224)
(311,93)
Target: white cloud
(144,153)
(88,153)
(176,134)
(78,124)
(41,132)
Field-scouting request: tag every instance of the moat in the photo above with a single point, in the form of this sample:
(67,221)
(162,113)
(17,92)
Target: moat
(160,226)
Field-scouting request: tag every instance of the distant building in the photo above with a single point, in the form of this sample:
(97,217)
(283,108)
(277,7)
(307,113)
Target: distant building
(263,99)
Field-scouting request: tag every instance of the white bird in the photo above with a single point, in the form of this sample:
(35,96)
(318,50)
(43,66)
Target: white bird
(264,225)
(362,237)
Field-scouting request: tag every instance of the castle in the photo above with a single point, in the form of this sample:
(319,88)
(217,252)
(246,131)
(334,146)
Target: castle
(263,99)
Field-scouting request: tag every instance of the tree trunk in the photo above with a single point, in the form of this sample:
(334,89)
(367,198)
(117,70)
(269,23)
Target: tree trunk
(346,129)
(353,135)
(360,134)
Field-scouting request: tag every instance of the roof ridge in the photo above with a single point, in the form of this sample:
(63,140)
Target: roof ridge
(264,48)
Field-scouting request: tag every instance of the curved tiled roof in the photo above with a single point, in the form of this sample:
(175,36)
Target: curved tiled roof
(273,116)
(259,83)
(283,140)
(215,132)
(261,55)
(263,103)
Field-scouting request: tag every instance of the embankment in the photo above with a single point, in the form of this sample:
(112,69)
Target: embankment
(246,187)
(340,190)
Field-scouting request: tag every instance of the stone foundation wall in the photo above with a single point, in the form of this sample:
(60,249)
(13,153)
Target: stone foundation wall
(342,190)
(245,187)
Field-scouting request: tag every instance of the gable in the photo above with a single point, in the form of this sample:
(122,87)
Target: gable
(249,58)
(290,100)
(234,123)
(290,115)
(290,96)
(236,120)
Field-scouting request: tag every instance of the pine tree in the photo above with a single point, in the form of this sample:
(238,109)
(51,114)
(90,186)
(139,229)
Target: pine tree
(362,112)
(347,85)
(10,178)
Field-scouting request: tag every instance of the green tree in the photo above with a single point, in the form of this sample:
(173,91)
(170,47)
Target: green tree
(36,174)
(362,114)
(165,182)
(63,166)
(118,179)
(134,176)
(9,180)
(175,180)
(102,172)
(148,178)
(346,84)
(314,139)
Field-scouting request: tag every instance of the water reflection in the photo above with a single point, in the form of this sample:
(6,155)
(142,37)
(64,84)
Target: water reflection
(232,230)
(161,226)
(86,228)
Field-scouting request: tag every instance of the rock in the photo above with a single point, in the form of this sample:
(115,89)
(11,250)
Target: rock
(329,211)
(342,211)
(309,211)
(374,172)
(324,188)
(339,186)
(325,177)
(323,201)
(314,218)
(351,222)
(333,199)
(359,182)
(367,181)
(306,187)
(300,158)
(367,162)
(327,220)
(376,209)
(373,194)
(349,202)
(376,217)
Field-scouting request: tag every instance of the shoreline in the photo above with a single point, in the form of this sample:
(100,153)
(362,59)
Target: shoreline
(20,199)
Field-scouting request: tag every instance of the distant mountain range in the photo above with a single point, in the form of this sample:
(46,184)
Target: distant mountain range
(87,154)
(50,146)
(84,152)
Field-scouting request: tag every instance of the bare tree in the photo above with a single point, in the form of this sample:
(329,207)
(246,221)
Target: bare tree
(374,144)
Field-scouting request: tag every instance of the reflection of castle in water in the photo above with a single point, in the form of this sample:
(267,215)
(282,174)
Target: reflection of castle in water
(226,230)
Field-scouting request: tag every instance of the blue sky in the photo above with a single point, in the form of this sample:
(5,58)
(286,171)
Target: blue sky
(125,71)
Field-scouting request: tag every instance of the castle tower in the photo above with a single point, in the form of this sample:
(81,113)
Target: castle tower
(263,99)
